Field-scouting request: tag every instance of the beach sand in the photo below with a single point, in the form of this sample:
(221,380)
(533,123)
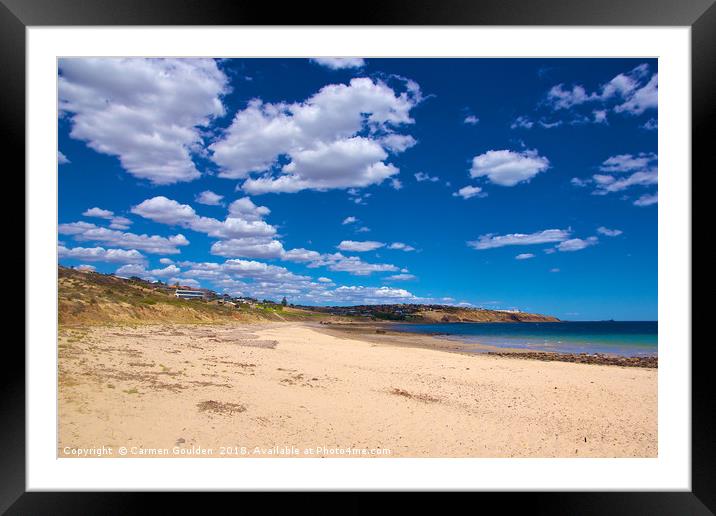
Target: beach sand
(297,389)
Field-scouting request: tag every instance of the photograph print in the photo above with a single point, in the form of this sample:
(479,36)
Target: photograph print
(357,257)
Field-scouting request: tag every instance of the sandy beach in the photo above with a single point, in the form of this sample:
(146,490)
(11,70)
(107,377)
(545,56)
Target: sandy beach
(296,389)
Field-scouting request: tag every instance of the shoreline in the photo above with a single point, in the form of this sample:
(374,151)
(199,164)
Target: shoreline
(383,333)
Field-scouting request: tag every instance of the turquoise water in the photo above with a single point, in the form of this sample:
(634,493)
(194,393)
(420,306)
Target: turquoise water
(625,338)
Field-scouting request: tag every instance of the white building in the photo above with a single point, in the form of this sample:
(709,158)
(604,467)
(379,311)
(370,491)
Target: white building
(189,294)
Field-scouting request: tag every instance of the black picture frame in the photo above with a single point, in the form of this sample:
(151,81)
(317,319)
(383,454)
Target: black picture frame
(700,15)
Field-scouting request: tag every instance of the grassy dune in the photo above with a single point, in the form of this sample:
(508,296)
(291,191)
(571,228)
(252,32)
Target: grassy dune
(90,298)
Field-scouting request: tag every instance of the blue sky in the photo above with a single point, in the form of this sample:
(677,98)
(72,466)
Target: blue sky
(501,183)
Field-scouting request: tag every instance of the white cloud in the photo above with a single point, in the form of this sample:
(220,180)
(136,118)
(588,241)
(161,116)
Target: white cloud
(339,63)
(600,116)
(396,184)
(100,254)
(554,270)
(522,122)
(84,231)
(609,232)
(141,272)
(647,200)
(166,261)
(471,120)
(63,160)
(98,212)
(508,168)
(86,268)
(245,209)
(301,255)
(209,198)
(351,245)
(116,222)
(401,246)
(576,244)
(338,138)
(421,176)
(468,192)
(644,98)
(250,247)
(651,125)
(398,142)
(354,162)
(491,241)
(323,279)
(401,277)
(120,223)
(561,98)
(632,92)
(524,256)
(363,229)
(624,171)
(354,265)
(147,112)
(349,220)
(243,219)
(372,295)
(628,162)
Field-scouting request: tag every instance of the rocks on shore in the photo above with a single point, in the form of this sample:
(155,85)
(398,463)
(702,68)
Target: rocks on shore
(583,358)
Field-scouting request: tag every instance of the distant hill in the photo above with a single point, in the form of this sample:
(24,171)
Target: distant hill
(94,298)
(418,313)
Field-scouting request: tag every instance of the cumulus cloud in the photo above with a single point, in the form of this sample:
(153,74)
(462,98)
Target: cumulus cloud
(341,137)
(248,248)
(86,268)
(209,198)
(471,120)
(147,112)
(339,63)
(100,254)
(609,232)
(508,168)
(524,256)
(84,231)
(116,222)
(468,192)
(491,241)
(351,245)
(62,160)
(243,220)
(349,220)
(576,244)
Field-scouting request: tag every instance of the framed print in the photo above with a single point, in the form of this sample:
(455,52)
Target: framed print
(450,250)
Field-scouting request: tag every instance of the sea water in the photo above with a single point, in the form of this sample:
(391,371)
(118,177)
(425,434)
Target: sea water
(624,338)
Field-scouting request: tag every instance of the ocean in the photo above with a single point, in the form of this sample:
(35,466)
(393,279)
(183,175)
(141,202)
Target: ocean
(624,338)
